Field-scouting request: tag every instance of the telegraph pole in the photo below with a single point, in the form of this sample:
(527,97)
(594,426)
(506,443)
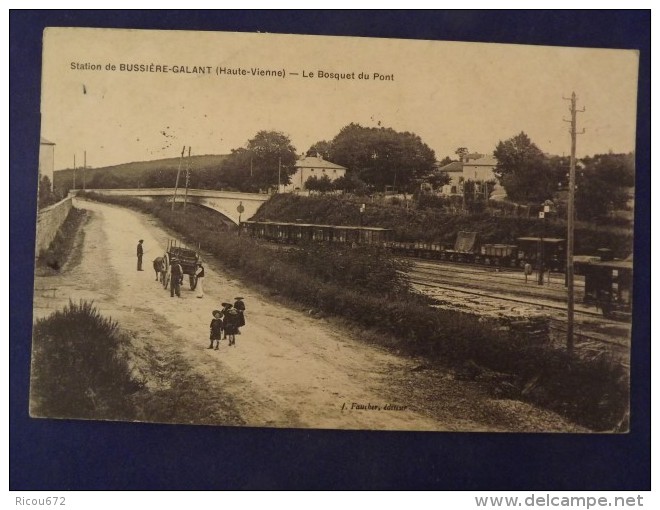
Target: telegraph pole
(279,173)
(185,197)
(178,173)
(74,171)
(84,169)
(571,222)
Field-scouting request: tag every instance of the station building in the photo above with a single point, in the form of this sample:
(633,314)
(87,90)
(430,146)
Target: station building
(312,166)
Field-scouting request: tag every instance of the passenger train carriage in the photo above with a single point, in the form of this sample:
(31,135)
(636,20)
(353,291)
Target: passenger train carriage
(608,282)
(305,232)
(466,248)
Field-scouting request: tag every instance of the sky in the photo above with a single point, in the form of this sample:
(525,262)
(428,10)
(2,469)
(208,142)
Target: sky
(451,94)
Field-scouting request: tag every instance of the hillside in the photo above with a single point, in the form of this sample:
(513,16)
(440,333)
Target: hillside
(133,174)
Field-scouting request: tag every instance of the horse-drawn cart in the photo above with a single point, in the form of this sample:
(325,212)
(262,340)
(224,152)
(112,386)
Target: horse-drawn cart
(187,257)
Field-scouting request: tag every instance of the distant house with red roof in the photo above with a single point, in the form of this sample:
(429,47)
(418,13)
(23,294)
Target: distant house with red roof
(313,166)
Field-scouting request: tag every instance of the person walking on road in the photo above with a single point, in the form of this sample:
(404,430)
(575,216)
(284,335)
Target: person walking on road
(176,278)
(140,252)
(239,306)
(199,273)
(230,324)
(216,329)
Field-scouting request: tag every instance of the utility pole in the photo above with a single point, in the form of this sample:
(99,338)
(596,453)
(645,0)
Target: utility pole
(185,197)
(279,173)
(178,173)
(571,222)
(74,171)
(84,169)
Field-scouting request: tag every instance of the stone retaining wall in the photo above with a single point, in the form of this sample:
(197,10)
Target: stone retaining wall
(49,221)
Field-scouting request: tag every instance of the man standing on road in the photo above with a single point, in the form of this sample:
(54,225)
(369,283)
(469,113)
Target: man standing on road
(140,252)
(176,275)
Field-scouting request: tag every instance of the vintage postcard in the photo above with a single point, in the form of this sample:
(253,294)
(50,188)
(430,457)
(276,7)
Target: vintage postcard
(290,231)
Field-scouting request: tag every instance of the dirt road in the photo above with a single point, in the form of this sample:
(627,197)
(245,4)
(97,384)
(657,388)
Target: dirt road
(288,369)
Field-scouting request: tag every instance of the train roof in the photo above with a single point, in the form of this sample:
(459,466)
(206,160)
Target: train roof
(347,227)
(611,264)
(545,239)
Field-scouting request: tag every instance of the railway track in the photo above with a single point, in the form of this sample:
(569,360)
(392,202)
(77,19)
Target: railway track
(480,290)
(542,305)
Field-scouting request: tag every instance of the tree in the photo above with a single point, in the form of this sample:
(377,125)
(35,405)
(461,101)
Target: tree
(46,195)
(321,148)
(381,156)
(461,152)
(322,184)
(445,161)
(351,183)
(267,159)
(438,179)
(523,170)
(602,184)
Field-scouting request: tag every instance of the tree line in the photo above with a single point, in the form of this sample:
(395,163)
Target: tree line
(380,159)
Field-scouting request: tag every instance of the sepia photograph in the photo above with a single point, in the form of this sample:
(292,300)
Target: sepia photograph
(330,232)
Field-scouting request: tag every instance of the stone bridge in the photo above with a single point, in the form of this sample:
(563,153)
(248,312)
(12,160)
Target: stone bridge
(233,205)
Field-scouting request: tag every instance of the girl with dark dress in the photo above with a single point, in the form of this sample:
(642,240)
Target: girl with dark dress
(216,329)
(239,306)
(231,321)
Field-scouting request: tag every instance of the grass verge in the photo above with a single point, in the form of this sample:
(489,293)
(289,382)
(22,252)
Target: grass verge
(54,258)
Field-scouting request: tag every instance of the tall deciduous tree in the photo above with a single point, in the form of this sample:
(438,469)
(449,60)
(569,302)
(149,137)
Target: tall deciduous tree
(267,159)
(382,156)
(523,170)
(603,183)
(321,148)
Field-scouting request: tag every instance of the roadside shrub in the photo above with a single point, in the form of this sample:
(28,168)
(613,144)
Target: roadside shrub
(79,366)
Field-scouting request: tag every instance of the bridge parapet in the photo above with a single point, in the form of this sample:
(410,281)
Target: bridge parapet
(226,203)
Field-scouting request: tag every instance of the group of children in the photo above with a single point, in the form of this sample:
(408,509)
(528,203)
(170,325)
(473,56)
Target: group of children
(228,321)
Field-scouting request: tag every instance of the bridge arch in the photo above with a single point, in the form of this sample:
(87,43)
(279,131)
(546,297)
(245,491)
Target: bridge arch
(232,205)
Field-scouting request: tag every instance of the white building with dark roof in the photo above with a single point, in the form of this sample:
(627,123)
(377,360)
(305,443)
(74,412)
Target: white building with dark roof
(46,160)
(479,169)
(313,166)
(455,172)
(474,167)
